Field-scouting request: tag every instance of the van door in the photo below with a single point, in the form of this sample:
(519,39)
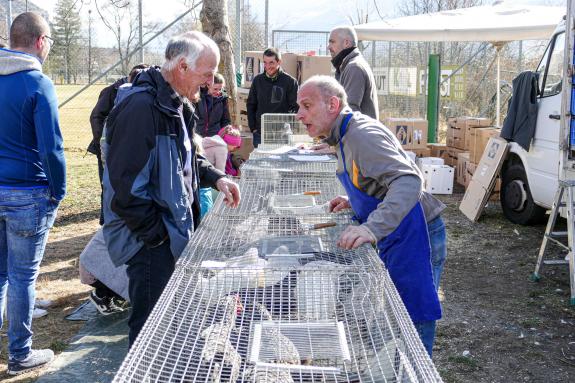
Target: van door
(543,155)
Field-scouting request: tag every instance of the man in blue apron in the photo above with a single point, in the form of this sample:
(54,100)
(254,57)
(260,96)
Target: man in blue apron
(385,190)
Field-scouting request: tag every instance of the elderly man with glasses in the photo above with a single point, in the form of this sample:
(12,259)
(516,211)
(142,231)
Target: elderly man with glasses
(32,180)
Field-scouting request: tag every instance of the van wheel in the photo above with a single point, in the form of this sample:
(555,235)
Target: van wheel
(516,200)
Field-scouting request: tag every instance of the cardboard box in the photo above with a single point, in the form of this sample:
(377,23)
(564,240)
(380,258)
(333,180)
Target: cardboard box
(438,179)
(244,120)
(289,64)
(308,66)
(469,170)
(484,178)
(410,132)
(247,146)
(459,129)
(253,65)
(452,154)
(461,168)
(438,150)
(421,153)
(478,139)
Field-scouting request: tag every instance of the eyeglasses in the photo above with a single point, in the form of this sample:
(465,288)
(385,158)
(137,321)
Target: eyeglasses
(51,40)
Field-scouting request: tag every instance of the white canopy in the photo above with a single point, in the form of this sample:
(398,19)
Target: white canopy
(500,22)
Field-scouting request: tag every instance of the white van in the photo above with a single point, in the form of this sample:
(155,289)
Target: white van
(530,178)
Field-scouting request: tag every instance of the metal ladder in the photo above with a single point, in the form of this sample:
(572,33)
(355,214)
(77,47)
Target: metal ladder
(553,236)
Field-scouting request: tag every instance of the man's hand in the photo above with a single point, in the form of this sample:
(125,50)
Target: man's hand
(231,192)
(322,148)
(339,203)
(355,236)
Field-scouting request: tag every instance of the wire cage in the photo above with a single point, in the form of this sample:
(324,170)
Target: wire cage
(282,129)
(304,194)
(285,167)
(256,304)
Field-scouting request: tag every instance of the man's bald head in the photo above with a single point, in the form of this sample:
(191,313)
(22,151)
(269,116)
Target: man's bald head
(26,28)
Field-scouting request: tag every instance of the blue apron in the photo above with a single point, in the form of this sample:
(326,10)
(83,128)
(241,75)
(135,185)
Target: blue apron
(405,252)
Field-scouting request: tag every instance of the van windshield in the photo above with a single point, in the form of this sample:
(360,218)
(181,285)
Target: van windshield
(551,68)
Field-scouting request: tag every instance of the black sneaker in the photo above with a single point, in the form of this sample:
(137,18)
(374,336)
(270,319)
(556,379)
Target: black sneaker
(36,359)
(105,305)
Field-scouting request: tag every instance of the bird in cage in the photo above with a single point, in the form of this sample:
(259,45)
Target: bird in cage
(284,349)
(287,133)
(219,356)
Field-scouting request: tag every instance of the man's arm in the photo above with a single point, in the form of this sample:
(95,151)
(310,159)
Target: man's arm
(50,146)
(130,164)
(207,173)
(354,84)
(252,107)
(292,97)
(378,158)
(101,110)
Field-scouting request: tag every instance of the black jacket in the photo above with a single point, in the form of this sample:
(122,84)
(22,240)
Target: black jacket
(278,95)
(213,114)
(145,197)
(519,125)
(100,113)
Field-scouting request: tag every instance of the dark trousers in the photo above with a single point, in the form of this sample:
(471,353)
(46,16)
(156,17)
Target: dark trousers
(101,176)
(257,139)
(148,272)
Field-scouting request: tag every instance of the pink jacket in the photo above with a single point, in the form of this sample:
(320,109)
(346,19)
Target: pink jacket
(216,151)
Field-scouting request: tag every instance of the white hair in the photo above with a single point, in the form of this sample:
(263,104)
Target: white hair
(346,32)
(189,45)
(328,87)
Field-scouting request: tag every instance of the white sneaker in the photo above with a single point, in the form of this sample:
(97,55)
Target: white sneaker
(39,313)
(43,303)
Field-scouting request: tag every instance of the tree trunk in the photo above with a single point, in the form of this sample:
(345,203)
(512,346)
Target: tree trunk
(214,18)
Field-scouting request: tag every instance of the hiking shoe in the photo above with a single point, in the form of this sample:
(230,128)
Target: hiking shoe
(105,305)
(36,359)
(39,313)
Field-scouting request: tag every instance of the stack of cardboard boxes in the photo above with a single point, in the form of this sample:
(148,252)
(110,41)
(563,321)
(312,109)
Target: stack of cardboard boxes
(412,135)
(467,138)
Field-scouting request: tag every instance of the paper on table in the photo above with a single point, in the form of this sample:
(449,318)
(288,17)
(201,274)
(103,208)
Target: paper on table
(310,158)
(281,150)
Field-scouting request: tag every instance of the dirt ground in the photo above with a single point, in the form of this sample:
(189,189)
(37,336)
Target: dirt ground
(498,326)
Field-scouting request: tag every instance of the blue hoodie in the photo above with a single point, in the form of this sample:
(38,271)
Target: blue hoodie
(31,150)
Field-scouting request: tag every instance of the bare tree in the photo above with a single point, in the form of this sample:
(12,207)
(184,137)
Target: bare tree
(121,18)
(214,18)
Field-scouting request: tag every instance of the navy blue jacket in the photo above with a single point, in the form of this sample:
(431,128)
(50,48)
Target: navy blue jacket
(145,198)
(213,114)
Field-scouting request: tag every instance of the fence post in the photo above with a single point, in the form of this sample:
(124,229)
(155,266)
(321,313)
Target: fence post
(433,97)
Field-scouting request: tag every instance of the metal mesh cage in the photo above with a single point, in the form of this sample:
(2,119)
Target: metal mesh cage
(282,129)
(285,167)
(304,194)
(262,293)
(328,316)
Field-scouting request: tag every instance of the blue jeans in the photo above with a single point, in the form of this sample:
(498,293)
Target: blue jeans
(426,331)
(438,242)
(26,215)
